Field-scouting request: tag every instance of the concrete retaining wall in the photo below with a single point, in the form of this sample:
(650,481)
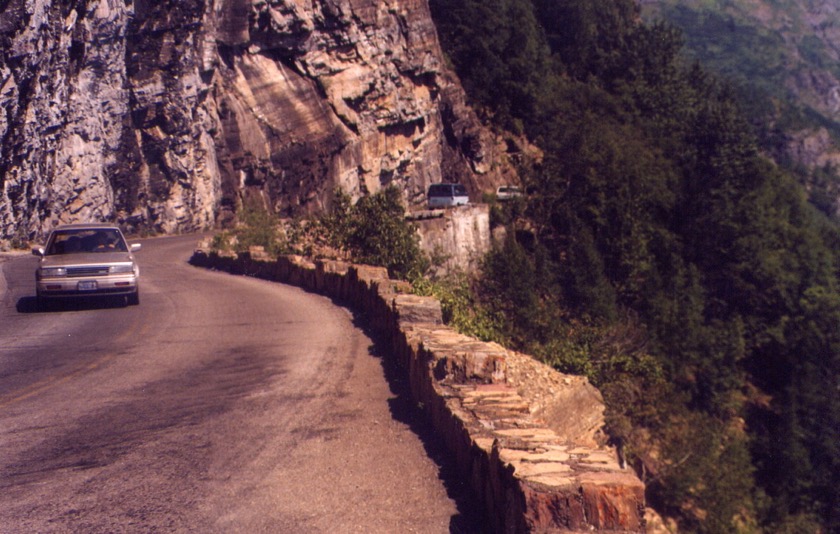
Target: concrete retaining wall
(463,232)
(529,477)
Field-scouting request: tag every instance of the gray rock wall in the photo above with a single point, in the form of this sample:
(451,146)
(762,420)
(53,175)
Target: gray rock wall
(164,115)
(457,237)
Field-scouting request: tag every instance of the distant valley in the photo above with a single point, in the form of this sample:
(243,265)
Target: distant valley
(784,58)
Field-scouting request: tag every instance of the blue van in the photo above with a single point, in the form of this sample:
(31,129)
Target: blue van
(447,196)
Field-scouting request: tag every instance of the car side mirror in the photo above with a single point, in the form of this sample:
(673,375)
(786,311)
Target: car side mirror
(38,251)
(135,247)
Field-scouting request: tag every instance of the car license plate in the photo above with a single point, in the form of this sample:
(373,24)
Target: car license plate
(87,285)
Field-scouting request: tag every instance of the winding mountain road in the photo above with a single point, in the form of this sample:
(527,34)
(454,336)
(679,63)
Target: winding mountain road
(219,404)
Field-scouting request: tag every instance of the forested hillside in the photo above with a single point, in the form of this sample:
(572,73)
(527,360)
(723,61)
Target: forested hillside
(783,56)
(662,255)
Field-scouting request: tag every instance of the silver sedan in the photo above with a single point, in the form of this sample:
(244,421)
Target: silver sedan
(82,260)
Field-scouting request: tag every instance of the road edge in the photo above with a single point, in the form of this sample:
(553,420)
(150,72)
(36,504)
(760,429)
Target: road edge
(529,476)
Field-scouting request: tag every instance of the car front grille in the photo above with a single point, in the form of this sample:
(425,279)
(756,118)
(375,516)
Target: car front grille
(87,271)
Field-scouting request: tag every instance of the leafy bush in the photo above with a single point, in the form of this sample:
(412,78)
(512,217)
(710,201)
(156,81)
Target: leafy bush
(374,231)
(460,308)
(259,228)
(256,227)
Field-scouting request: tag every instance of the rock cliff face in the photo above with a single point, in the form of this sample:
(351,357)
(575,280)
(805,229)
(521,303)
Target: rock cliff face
(163,115)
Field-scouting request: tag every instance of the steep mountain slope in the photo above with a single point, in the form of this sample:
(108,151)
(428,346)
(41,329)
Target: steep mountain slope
(784,55)
(663,255)
(165,115)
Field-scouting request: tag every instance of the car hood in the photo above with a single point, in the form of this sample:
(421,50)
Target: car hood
(86,258)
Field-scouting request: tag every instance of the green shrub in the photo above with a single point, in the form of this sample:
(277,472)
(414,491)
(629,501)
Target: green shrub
(256,228)
(374,231)
(461,310)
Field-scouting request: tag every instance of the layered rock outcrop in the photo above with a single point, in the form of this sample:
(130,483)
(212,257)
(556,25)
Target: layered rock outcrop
(165,115)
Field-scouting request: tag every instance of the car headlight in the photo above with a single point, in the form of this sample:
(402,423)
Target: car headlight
(53,272)
(121,269)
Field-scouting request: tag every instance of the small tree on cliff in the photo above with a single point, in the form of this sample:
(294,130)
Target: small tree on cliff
(375,232)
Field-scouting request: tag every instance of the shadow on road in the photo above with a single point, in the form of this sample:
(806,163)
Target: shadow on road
(31,304)
(470,517)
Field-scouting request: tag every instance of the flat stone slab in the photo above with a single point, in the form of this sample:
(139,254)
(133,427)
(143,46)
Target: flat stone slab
(526,436)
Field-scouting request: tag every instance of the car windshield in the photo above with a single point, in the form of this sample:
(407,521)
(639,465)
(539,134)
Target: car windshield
(439,190)
(447,190)
(86,240)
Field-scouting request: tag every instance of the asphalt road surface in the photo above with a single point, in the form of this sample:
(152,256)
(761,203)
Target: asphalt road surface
(219,404)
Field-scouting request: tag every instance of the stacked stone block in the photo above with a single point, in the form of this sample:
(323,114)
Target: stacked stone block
(527,476)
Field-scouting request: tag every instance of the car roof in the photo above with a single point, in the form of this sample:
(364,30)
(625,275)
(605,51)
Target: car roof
(442,185)
(80,226)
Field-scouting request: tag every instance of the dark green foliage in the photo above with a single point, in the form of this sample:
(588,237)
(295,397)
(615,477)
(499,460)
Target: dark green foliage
(709,481)
(667,260)
(767,58)
(798,439)
(515,285)
(503,60)
(375,232)
(460,308)
(589,38)
(825,190)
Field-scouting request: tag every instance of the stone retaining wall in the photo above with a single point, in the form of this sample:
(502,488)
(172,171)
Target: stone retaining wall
(463,232)
(531,475)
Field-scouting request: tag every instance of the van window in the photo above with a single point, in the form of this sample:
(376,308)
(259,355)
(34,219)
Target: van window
(440,190)
(447,195)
